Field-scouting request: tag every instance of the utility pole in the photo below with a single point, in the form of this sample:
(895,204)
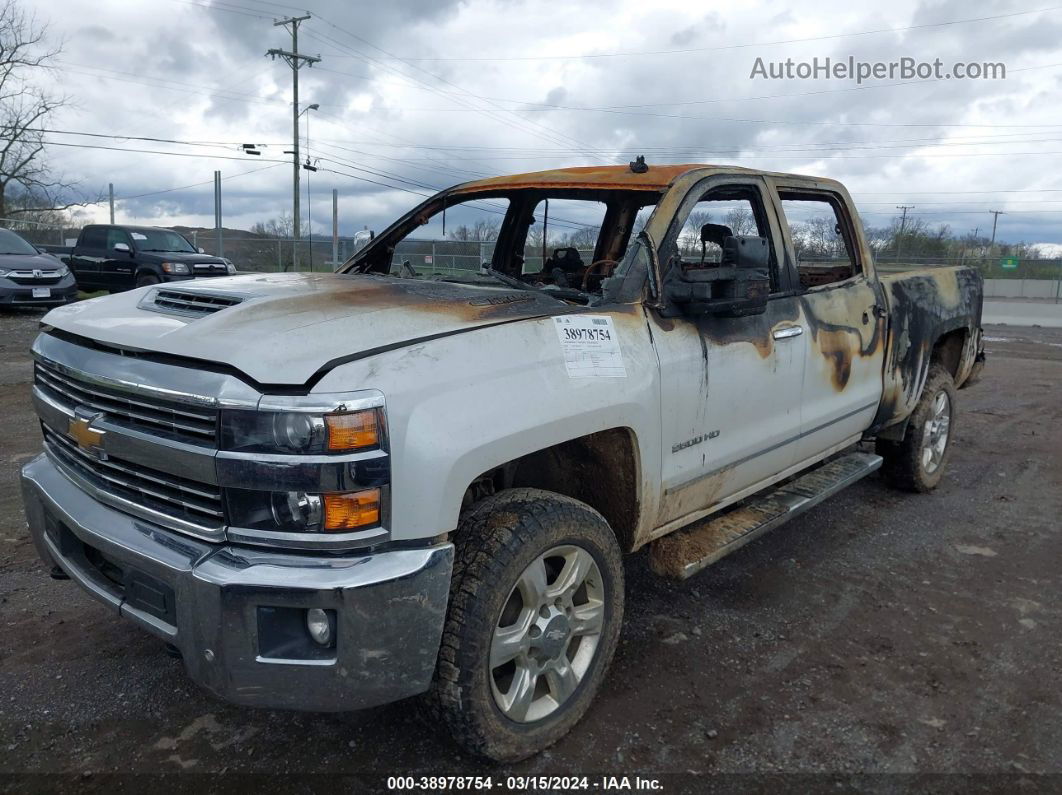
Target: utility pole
(110,192)
(903,225)
(335,228)
(295,61)
(995,217)
(217,214)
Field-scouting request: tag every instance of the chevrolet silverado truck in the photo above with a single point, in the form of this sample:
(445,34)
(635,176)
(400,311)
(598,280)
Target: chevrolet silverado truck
(118,258)
(332,491)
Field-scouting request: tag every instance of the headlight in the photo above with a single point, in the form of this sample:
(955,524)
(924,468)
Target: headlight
(230,268)
(300,432)
(177,268)
(62,272)
(302,512)
(4,272)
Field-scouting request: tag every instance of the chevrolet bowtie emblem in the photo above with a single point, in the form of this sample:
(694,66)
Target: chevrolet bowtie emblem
(87,438)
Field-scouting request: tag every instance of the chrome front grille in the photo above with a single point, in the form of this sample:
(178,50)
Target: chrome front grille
(183,499)
(35,278)
(183,421)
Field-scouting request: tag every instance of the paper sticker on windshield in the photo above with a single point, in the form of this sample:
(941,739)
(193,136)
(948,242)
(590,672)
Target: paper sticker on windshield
(138,236)
(591,346)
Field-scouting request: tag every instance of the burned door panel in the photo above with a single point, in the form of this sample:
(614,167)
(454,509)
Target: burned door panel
(842,376)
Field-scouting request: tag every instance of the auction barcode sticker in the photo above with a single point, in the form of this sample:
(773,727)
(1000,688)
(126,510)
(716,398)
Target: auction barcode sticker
(591,346)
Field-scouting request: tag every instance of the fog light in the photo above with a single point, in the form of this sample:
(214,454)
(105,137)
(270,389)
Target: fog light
(319,626)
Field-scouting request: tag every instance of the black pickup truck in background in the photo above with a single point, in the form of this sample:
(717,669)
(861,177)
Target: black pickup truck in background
(118,258)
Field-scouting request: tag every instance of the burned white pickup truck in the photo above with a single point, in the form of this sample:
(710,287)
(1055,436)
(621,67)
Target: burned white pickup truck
(416,478)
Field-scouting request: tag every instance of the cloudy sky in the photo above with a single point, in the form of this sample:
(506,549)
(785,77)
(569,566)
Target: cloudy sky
(420,94)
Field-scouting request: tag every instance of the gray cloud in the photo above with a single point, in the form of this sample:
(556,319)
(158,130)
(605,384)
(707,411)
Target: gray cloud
(194,74)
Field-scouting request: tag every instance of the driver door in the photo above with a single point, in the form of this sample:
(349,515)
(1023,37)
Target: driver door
(730,386)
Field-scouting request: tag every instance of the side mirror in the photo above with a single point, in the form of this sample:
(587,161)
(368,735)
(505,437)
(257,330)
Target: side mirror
(123,247)
(739,286)
(201,250)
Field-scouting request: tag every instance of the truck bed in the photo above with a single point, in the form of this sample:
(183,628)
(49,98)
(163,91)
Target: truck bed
(932,312)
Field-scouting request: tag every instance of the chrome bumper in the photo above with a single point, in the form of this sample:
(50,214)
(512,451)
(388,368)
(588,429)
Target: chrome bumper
(234,612)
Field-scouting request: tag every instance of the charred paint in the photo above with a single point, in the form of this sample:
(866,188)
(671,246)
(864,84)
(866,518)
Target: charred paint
(755,330)
(325,295)
(924,305)
(835,319)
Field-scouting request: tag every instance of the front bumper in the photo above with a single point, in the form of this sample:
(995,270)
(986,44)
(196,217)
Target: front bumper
(12,294)
(223,606)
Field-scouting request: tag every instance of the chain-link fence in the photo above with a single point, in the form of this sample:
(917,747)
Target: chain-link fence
(1039,278)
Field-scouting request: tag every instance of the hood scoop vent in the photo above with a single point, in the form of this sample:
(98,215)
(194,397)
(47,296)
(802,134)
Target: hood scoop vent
(194,304)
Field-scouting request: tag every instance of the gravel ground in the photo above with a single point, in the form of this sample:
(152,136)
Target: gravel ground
(882,639)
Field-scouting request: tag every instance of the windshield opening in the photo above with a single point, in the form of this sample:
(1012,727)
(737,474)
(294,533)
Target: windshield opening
(563,241)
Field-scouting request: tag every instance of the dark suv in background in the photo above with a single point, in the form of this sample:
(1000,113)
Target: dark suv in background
(29,277)
(117,258)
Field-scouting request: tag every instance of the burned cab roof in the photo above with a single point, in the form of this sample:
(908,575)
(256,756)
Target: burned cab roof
(652,177)
(590,177)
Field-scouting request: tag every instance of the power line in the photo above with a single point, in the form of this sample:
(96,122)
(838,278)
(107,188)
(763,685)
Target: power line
(723,47)
(194,184)
(150,139)
(148,151)
(545,106)
(436,77)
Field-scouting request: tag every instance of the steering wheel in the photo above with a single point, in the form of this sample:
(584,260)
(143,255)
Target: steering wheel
(606,266)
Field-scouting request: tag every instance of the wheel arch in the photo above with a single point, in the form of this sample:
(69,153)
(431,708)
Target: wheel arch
(601,469)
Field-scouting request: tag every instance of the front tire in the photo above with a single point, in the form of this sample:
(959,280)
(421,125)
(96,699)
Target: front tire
(147,280)
(917,463)
(536,605)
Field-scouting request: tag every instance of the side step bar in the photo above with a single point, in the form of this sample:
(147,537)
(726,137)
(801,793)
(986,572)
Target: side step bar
(685,552)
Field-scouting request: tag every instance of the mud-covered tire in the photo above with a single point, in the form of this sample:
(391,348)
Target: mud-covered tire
(147,280)
(904,466)
(497,541)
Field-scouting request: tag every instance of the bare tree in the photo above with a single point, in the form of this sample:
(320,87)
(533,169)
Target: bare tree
(27,184)
(484,230)
(690,237)
(275,227)
(741,221)
(585,237)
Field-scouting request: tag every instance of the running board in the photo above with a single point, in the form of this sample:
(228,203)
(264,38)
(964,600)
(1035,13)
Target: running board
(685,552)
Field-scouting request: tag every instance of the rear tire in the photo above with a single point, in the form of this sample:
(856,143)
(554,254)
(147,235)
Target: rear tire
(917,462)
(147,280)
(536,604)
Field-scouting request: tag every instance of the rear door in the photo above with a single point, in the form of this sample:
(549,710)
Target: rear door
(730,387)
(843,313)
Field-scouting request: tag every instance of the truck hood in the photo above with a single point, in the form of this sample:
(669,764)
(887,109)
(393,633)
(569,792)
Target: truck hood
(282,329)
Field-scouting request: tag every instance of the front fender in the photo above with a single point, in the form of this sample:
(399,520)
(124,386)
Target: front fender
(462,405)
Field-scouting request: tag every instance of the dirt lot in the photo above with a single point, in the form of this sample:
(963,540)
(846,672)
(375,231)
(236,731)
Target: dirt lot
(881,633)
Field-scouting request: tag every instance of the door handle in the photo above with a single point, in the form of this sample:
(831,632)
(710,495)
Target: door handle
(787,332)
